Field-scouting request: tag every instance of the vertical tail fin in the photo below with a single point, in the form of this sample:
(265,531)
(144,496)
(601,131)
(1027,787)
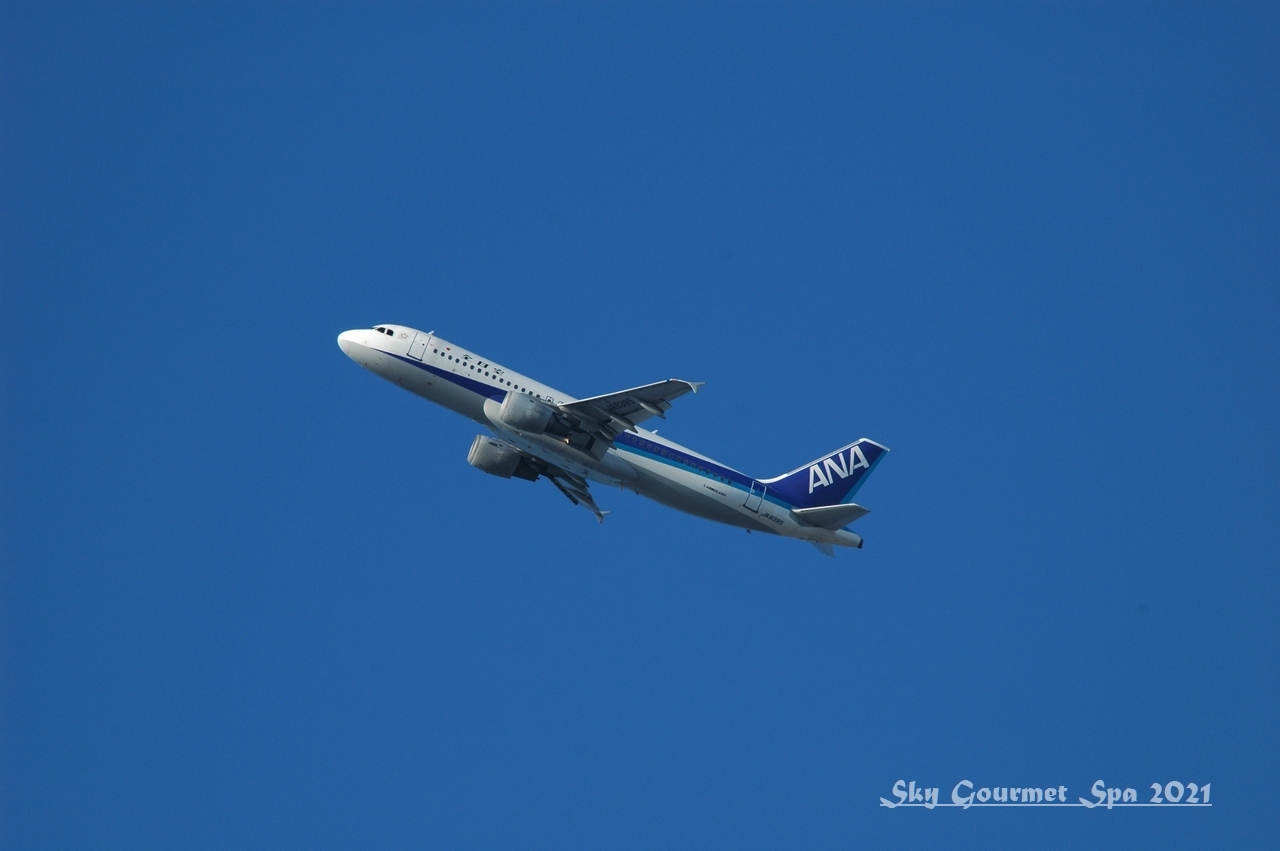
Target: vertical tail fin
(832,479)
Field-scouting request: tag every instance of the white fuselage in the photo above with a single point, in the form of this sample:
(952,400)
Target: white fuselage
(639,460)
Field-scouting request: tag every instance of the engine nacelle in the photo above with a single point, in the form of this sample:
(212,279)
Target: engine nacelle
(499,458)
(524,413)
(528,415)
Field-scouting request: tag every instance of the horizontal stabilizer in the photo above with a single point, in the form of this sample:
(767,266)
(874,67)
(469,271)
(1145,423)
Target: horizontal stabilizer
(829,516)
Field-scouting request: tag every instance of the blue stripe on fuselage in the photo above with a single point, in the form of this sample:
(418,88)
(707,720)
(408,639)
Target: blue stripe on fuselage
(465,382)
(652,449)
(684,461)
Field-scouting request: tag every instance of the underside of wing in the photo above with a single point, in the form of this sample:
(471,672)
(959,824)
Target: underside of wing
(575,488)
(613,413)
(497,457)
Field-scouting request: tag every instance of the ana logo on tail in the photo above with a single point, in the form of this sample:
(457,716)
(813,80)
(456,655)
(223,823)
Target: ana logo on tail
(824,472)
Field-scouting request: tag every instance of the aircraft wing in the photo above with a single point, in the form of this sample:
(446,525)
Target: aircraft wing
(613,413)
(574,487)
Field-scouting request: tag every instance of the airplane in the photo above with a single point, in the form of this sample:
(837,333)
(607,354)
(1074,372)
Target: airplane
(536,431)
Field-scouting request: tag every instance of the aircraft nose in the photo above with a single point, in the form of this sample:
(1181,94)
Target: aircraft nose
(349,343)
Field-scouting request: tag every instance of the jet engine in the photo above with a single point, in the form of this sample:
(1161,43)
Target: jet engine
(530,416)
(499,458)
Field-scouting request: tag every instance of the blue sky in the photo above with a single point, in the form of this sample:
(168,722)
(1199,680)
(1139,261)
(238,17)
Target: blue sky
(251,596)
